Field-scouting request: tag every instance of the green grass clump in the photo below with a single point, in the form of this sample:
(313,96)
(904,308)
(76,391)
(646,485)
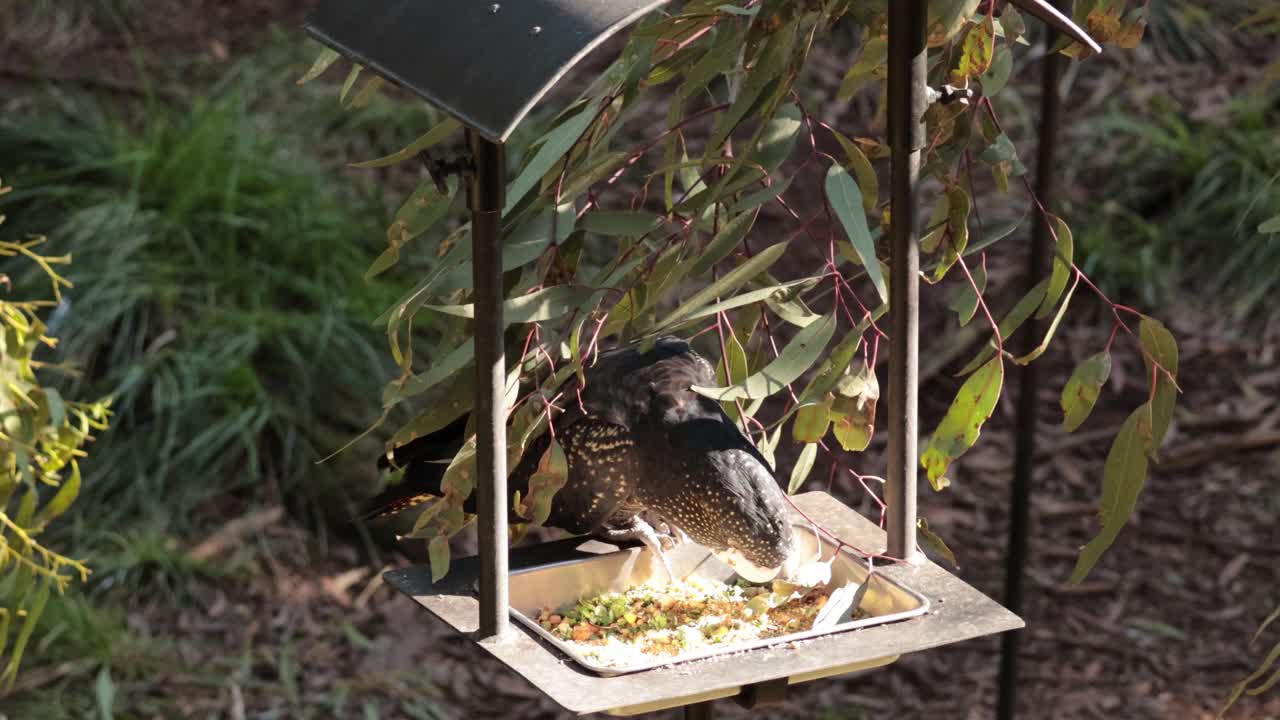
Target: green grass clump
(1182,207)
(218,296)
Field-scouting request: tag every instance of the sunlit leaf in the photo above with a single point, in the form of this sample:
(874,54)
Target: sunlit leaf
(1270,226)
(959,429)
(804,465)
(976,52)
(1011,322)
(1039,349)
(1123,476)
(537,306)
(550,476)
(1082,389)
(61,500)
(798,356)
(446,403)
(811,422)
(958,205)
(779,138)
(1062,271)
(424,208)
(460,476)
(846,200)
(443,367)
(854,408)
(326,58)
(742,299)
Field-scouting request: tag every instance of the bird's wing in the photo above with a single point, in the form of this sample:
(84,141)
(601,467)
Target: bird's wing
(603,473)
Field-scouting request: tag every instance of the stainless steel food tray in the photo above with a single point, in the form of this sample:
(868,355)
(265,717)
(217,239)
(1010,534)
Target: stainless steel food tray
(555,585)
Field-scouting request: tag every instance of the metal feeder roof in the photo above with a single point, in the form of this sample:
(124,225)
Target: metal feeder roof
(485,63)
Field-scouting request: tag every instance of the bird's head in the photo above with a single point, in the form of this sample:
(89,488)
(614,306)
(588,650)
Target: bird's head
(707,479)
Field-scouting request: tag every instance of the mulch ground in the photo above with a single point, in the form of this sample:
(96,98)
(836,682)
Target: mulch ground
(1159,630)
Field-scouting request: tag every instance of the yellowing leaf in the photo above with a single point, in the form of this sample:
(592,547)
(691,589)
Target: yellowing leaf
(1082,389)
(975,52)
(811,422)
(546,481)
(958,205)
(959,429)
(854,409)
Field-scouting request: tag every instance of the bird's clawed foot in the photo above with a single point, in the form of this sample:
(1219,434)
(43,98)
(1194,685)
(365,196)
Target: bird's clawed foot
(670,535)
(638,529)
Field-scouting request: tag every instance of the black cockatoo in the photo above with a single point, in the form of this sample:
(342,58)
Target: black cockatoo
(640,440)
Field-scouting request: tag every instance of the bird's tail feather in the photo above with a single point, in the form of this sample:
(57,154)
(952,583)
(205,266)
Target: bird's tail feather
(387,504)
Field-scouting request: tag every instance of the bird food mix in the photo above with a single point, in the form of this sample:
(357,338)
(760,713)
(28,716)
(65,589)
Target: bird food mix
(651,621)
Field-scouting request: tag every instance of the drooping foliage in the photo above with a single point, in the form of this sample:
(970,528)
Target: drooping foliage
(619,230)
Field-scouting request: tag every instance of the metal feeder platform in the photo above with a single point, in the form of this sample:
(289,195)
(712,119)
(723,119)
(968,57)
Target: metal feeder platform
(956,612)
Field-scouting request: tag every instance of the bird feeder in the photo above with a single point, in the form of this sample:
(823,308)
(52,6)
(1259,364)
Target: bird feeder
(487,64)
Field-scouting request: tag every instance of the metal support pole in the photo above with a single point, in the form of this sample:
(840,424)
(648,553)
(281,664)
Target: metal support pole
(1029,383)
(485,197)
(907,102)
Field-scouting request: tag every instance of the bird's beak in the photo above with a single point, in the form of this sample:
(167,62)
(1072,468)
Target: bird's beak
(746,569)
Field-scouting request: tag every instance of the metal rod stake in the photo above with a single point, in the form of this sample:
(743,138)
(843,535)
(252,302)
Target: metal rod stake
(907,102)
(485,197)
(1029,383)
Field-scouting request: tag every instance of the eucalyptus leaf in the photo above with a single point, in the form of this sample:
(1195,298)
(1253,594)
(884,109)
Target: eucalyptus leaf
(959,429)
(1159,347)
(846,200)
(804,465)
(798,356)
(1082,389)
(1062,268)
(1123,475)
(727,283)
(555,146)
(538,306)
